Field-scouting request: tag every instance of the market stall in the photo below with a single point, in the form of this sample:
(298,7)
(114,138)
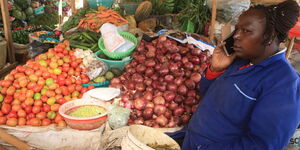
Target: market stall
(119,74)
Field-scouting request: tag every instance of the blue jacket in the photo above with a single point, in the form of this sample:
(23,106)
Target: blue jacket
(256,108)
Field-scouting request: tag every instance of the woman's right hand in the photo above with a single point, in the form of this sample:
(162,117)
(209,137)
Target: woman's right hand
(220,61)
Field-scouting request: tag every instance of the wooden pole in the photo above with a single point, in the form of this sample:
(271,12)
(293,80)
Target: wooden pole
(213,20)
(7,31)
(290,48)
(73,7)
(13,140)
(85,4)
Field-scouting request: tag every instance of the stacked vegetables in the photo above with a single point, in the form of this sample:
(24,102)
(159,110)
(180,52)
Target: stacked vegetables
(94,21)
(160,84)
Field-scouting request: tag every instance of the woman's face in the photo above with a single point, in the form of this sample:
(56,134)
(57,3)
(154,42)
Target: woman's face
(249,34)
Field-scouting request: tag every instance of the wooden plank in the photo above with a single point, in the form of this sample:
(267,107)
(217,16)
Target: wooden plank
(7,31)
(213,20)
(13,140)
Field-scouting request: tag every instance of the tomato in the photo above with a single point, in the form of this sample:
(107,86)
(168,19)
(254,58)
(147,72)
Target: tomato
(74,64)
(55,107)
(58,118)
(65,92)
(84,90)
(23,105)
(28,109)
(19,75)
(29,94)
(46,108)
(51,115)
(33,78)
(68,81)
(37,88)
(21,113)
(50,93)
(13,72)
(1,114)
(41,115)
(61,124)
(71,88)
(31,85)
(16,101)
(3,90)
(53,86)
(36,109)
(38,103)
(17,95)
(3,120)
(22,97)
(46,122)
(12,114)
(11,90)
(12,122)
(23,83)
(51,100)
(9,77)
(5,108)
(78,69)
(46,75)
(8,99)
(16,107)
(16,84)
(21,121)
(58,90)
(37,96)
(78,87)
(85,80)
(61,100)
(6,83)
(38,73)
(44,98)
(80,95)
(91,87)
(35,122)
(29,101)
(30,116)
(58,96)
(20,68)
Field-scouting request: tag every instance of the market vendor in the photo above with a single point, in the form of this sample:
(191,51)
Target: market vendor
(251,99)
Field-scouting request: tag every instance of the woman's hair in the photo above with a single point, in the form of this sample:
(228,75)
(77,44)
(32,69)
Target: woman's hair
(280,19)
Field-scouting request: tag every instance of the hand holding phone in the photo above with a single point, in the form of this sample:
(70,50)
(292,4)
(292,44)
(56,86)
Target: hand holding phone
(220,61)
(228,47)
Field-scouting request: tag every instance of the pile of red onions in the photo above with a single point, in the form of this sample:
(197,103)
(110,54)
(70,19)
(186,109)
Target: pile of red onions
(160,84)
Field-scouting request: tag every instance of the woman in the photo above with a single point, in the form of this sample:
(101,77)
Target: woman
(251,99)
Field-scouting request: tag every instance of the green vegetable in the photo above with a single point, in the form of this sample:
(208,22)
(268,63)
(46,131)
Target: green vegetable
(29,11)
(87,111)
(162,7)
(17,14)
(88,37)
(47,19)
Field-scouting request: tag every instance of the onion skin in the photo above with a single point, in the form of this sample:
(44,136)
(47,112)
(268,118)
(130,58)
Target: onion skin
(160,109)
(148,113)
(161,120)
(139,104)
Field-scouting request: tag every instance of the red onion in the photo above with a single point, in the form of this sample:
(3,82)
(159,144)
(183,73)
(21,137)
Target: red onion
(173,67)
(178,111)
(140,58)
(163,71)
(149,123)
(150,54)
(115,81)
(141,68)
(194,108)
(178,73)
(182,89)
(139,104)
(196,51)
(149,72)
(162,87)
(150,105)
(140,87)
(178,99)
(148,113)
(189,65)
(149,89)
(148,96)
(185,118)
(172,87)
(148,82)
(169,78)
(167,43)
(161,120)
(185,59)
(191,93)
(137,95)
(194,60)
(179,80)
(159,100)
(150,47)
(196,77)
(169,96)
(176,57)
(168,114)
(190,84)
(139,121)
(173,106)
(159,109)
(150,63)
(154,77)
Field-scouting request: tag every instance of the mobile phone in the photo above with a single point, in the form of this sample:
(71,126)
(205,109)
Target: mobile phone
(228,47)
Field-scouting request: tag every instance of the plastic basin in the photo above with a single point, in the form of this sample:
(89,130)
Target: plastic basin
(120,64)
(87,123)
(97,3)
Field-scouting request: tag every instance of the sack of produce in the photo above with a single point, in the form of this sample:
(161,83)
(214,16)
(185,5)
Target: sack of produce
(118,117)
(36,48)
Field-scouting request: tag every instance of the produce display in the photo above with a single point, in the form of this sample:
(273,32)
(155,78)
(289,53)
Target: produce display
(32,94)
(85,40)
(49,20)
(86,111)
(160,84)
(94,21)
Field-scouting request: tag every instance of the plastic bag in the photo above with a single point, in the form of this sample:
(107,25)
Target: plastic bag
(118,117)
(111,38)
(94,66)
(228,10)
